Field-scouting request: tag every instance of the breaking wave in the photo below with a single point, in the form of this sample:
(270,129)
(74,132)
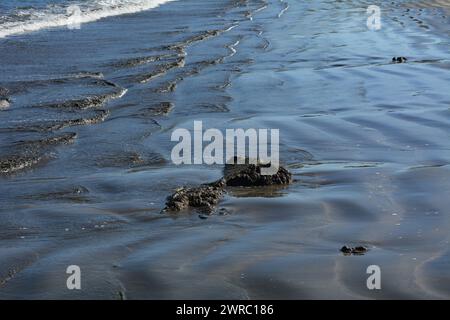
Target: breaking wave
(70,14)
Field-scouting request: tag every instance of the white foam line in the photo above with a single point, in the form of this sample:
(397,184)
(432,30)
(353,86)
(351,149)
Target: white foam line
(124,92)
(55,20)
(284,10)
(232,48)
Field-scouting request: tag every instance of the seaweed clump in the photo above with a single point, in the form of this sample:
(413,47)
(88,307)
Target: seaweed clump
(204,197)
(249,175)
(207,196)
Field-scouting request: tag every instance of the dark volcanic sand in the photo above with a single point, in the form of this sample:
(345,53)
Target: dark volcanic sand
(85,152)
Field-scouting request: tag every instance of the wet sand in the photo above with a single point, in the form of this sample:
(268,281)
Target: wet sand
(85,148)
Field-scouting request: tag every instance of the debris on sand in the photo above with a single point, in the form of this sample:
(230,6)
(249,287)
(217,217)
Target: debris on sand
(360,250)
(207,196)
(399,59)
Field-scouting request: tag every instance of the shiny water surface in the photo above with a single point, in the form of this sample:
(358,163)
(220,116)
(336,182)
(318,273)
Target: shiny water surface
(85,122)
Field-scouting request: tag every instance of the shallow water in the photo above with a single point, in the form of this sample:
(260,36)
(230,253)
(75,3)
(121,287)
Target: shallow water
(85,152)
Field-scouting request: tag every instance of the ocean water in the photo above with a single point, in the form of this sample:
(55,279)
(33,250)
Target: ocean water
(31,15)
(86,117)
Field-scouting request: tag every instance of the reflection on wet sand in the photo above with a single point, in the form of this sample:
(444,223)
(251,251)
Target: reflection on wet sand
(85,153)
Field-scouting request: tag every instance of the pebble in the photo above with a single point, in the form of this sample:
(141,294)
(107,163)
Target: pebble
(360,250)
(399,59)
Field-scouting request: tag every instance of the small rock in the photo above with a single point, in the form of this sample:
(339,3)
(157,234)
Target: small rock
(205,197)
(249,175)
(346,249)
(360,250)
(399,59)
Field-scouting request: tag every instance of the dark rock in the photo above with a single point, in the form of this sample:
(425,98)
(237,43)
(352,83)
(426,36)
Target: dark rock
(249,175)
(399,59)
(204,198)
(360,250)
(207,196)
(346,250)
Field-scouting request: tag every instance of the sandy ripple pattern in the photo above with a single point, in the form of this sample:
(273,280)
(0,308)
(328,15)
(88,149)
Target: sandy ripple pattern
(85,169)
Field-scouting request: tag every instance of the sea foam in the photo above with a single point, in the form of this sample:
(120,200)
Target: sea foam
(29,20)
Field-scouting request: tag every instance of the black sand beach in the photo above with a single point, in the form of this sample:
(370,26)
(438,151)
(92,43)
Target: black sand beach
(85,123)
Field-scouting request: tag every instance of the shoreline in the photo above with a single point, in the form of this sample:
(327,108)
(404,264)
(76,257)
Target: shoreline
(366,141)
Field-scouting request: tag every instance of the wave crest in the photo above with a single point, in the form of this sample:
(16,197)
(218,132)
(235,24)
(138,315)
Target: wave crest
(70,15)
